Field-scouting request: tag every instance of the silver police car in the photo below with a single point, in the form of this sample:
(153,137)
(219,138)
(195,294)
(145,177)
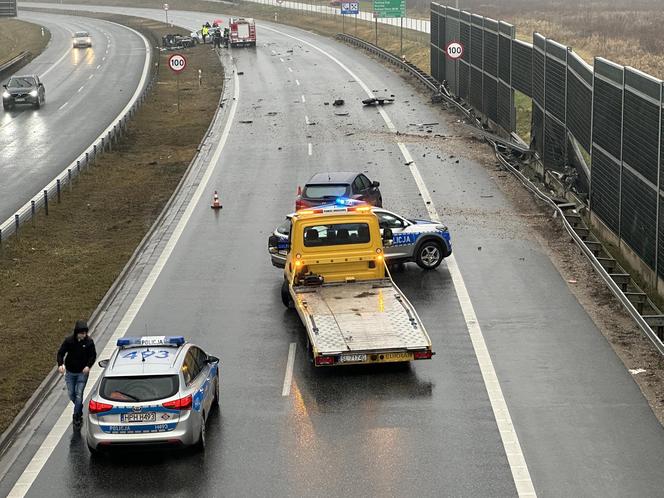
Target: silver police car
(424,242)
(154,391)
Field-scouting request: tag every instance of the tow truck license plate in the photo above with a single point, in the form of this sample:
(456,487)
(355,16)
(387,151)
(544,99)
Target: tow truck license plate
(138,417)
(352,358)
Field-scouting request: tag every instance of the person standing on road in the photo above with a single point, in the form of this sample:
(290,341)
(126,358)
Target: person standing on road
(75,357)
(204,33)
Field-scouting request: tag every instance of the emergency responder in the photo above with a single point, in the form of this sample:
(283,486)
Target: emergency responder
(204,32)
(227,34)
(216,38)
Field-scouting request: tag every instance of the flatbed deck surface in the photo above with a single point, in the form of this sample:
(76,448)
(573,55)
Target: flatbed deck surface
(362,316)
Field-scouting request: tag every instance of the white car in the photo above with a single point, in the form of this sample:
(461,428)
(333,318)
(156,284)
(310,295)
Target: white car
(82,39)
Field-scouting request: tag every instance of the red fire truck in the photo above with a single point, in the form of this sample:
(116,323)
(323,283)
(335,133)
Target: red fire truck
(242,32)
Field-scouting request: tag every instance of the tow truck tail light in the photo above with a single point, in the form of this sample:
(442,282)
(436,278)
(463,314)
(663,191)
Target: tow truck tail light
(97,407)
(324,360)
(422,355)
(179,404)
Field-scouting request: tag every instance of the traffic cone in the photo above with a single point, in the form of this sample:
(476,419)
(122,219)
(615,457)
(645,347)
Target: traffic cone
(215,201)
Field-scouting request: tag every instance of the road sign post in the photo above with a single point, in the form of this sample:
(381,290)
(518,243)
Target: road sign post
(166,10)
(352,8)
(177,63)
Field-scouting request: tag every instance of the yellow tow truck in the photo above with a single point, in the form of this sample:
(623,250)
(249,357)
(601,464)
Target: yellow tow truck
(336,279)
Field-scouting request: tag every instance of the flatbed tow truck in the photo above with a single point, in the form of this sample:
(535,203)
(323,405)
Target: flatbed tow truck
(336,279)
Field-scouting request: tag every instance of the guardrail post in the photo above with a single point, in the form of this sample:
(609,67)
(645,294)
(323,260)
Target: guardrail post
(16,222)
(103,145)
(69,178)
(57,185)
(94,150)
(46,201)
(32,211)
(110,142)
(87,159)
(0,236)
(78,167)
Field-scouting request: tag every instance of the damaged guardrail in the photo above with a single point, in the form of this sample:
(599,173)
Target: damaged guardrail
(501,147)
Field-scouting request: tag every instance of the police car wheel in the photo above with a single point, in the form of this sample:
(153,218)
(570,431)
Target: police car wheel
(429,255)
(215,400)
(200,444)
(285,295)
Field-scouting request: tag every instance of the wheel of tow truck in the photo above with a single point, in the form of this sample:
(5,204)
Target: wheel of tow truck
(285,296)
(429,255)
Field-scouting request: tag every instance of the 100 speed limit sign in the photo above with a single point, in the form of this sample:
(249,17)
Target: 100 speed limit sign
(177,62)
(454,50)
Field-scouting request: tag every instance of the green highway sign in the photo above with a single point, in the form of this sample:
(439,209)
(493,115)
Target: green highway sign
(389,8)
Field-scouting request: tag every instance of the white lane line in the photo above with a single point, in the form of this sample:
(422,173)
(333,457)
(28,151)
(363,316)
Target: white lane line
(103,58)
(306,119)
(38,461)
(297,82)
(56,63)
(63,106)
(303,99)
(516,460)
(98,66)
(79,90)
(281,59)
(290,69)
(288,378)
(311,149)
(91,76)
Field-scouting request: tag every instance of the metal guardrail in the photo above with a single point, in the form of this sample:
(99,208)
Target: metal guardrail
(53,191)
(497,143)
(7,66)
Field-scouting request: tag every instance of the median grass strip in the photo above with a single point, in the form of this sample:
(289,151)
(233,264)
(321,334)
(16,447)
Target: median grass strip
(18,36)
(58,270)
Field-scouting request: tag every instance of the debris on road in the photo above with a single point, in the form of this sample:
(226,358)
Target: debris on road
(350,133)
(378,101)
(246,121)
(341,113)
(338,102)
(272,113)
(240,73)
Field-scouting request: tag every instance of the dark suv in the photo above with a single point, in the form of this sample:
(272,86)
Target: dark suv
(23,90)
(323,188)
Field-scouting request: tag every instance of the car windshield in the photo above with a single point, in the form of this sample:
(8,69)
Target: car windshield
(139,389)
(81,34)
(21,82)
(324,191)
(336,234)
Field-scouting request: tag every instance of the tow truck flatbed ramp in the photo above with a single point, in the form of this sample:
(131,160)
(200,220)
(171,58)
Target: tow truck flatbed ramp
(365,316)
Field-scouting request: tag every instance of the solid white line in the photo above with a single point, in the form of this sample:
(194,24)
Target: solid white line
(54,65)
(81,88)
(91,76)
(517,462)
(297,82)
(288,378)
(311,149)
(282,60)
(98,66)
(38,461)
(306,119)
(303,99)
(290,69)
(63,106)
(103,58)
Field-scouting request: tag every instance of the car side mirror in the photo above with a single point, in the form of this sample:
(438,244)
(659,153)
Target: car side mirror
(103,363)
(212,359)
(387,237)
(375,184)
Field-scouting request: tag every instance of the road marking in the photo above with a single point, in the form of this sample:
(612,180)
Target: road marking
(297,82)
(98,66)
(306,119)
(30,473)
(303,99)
(515,458)
(79,90)
(91,76)
(311,149)
(63,106)
(56,63)
(281,59)
(288,379)
(290,69)
(103,58)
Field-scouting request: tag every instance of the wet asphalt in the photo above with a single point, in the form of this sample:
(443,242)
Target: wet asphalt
(86,89)
(426,429)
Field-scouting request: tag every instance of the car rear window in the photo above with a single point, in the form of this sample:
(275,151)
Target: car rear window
(139,388)
(21,82)
(324,191)
(81,34)
(336,234)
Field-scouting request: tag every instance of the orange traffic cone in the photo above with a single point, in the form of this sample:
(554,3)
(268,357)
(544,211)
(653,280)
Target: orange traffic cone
(215,201)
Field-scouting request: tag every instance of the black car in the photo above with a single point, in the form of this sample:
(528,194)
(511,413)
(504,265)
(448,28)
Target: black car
(23,90)
(323,188)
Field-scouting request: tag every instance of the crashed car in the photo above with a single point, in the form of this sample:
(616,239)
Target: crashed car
(25,89)
(324,188)
(424,242)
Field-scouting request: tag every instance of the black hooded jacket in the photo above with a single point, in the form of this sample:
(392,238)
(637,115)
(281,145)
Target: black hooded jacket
(76,355)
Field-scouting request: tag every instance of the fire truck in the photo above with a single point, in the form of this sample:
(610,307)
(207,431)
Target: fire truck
(242,32)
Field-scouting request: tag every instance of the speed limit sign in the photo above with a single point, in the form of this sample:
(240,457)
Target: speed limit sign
(454,50)
(177,62)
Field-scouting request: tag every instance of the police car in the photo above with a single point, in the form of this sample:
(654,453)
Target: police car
(154,391)
(424,242)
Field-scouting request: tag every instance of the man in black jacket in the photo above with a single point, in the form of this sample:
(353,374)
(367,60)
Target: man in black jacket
(75,357)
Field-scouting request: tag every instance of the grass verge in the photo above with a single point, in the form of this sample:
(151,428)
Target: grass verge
(17,36)
(59,269)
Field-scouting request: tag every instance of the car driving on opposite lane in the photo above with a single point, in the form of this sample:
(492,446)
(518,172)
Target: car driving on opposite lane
(324,188)
(154,391)
(82,39)
(25,89)
(424,242)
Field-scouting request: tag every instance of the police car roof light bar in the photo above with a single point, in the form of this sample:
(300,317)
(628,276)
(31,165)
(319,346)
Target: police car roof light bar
(155,340)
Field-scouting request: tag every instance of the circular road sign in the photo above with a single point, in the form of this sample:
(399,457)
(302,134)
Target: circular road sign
(177,62)
(454,50)
(165,6)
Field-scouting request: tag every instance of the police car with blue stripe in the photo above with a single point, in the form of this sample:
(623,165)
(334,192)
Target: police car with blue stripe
(424,242)
(154,391)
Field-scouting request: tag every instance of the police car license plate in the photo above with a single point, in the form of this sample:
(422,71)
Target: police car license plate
(20,99)
(352,358)
(138,417)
